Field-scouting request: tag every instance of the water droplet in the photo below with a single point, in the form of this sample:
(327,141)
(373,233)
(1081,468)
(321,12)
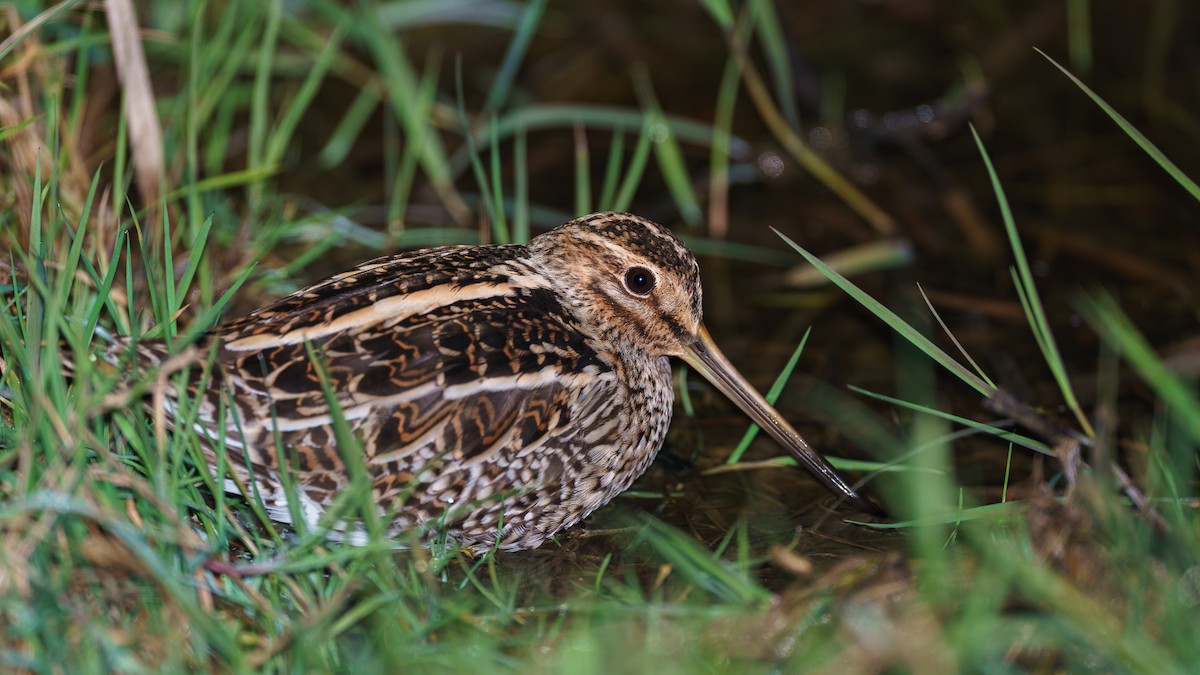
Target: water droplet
(820,138)
(770,164)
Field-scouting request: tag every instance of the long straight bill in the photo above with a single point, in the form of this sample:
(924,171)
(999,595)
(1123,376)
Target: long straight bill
(704,356)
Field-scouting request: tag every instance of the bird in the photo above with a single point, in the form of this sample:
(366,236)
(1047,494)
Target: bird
(498,394)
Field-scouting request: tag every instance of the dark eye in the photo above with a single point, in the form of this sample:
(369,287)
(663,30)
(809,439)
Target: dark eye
(639,280)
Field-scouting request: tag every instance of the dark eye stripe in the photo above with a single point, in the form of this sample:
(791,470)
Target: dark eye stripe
(639,281)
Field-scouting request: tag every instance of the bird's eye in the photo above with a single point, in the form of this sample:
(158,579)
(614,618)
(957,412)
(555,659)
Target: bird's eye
(639,280)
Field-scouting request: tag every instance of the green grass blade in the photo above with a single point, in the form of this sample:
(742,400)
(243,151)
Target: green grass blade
(1036,313)
(871,256)
(281,136)
(612,172)
(259,113)
(502,85)
(195,255)
(635,170)
(1023,441)
(985,512)
(698,565)
(718,161)
(360,493)
(168,317)
(721,12)
(342,139)
(583,172)
(403,89)
(667,152)
(1104,314)
(224,181)
(520,225)
(12,130)
(67,274)
(1079,34)
(770,32)
(1144,143)
(47,17)
(399,16)
(410,159)
(949,335)
(496,211)
(777,386)
(487,190)
(892,319)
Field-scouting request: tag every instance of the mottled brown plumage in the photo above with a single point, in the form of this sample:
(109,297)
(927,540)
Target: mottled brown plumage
(502,393)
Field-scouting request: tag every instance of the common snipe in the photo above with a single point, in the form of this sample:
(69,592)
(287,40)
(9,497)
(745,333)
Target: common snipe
(500,392)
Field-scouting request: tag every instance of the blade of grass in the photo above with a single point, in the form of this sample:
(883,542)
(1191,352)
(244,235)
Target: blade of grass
(224,181)
(774,46)
(195,256)
(66,274)
(667,150)
(402,90)
(721,12)
(718,162)
(520,227)
(281,134)
(348,129)
(777,386)
(410,158)
(892,319)
(45,17)
(946,329)
(500,230)
(257,149)
(12,130)
(1144,143)
(635,170)
(1106,317)
(1079,34)
(698,565)
(612,171)
(397,16)
(1023,441)
(34,308)
(871,256)
(987,511)
(1028,290)
(360,492)
(531,17)
(488,189)
(169,317)
(583,172)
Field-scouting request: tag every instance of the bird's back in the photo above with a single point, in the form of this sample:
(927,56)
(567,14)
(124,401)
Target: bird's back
(473,394)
